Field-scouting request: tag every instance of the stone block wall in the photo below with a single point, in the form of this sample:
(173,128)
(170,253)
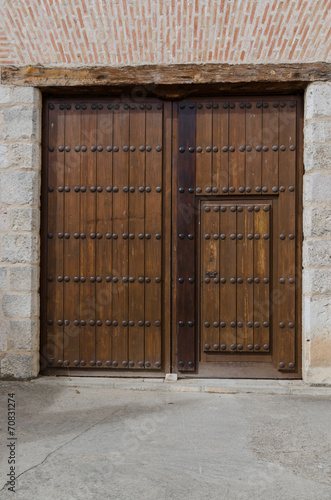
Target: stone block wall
(20,168)
(317,235)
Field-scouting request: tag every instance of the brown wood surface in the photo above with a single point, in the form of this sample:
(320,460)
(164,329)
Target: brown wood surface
(94,311)
(185,226)
(166,74)
(153,246)
(54,264)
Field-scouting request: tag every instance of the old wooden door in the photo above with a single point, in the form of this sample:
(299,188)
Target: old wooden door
(106,244)
(198,199)
(237,236)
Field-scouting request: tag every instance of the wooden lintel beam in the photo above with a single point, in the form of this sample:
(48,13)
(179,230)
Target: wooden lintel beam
(172,74)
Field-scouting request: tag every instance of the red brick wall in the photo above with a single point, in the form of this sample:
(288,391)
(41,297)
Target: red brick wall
(120,32)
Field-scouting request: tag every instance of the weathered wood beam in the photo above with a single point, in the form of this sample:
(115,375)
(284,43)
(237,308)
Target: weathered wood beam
(172,74)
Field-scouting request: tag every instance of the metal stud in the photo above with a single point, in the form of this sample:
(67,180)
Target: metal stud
(291,324)
(291,365)
(191,150)
(223,280)
(232,347)
(256,280)
(257,347)
(83,279)
(239,280)
(249,280)
(291,188)
(232,324)
(291,281)
(232,149)
(282,324)
(265,280)
(225,149)
(208,190)
(281,364)
(250,324)
(250,347)
(241,189)
(148,149)
(223,324)
(282,147)
(258,148)
(199,190)
(282,281)
(190,364)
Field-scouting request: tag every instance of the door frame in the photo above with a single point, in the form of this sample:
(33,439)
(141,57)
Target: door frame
(169,345)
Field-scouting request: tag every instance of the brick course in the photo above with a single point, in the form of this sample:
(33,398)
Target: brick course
(123,32)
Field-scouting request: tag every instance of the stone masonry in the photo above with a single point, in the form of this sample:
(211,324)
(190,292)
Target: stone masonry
(317,235)
(20,168)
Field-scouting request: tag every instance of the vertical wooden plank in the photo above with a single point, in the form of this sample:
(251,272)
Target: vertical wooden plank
(204,137)
(71,231)
(237,138)
(270,148)
(136,231)
(254,148)
(153,245)
(55,229)
(185,240)
(87,242)
(245,294)
(228,260)
(261,277)
(220,167)
(167,218)
(222,130)
(120,227)
(103,257)
(210,277)
(285,327)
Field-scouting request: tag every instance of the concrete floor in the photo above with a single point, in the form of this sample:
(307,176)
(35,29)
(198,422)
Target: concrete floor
(85,439)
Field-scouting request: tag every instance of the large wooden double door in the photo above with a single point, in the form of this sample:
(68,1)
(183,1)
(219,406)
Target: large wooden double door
(171,236)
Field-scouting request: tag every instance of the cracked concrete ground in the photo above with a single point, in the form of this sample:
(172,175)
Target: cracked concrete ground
(82,439)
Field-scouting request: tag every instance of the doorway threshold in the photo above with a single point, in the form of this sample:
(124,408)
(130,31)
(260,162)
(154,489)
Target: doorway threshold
(220,386)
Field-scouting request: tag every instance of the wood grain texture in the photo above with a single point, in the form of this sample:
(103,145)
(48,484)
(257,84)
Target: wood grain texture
(165,74)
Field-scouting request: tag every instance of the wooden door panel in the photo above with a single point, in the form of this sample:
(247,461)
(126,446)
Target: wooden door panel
(242,153)
(105,264)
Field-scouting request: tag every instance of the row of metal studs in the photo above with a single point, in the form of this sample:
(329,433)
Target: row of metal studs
(108,364)
(115,149)
(233,347)
(237,280)
(239,236)
(232,189)
(109,106)
(233,324)
(225,149)
(242,105)
(108,279)
(109,189)
(250,324)
(108,322)
(109,236)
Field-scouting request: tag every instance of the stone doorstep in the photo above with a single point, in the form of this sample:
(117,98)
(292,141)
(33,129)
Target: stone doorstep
(219,386)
